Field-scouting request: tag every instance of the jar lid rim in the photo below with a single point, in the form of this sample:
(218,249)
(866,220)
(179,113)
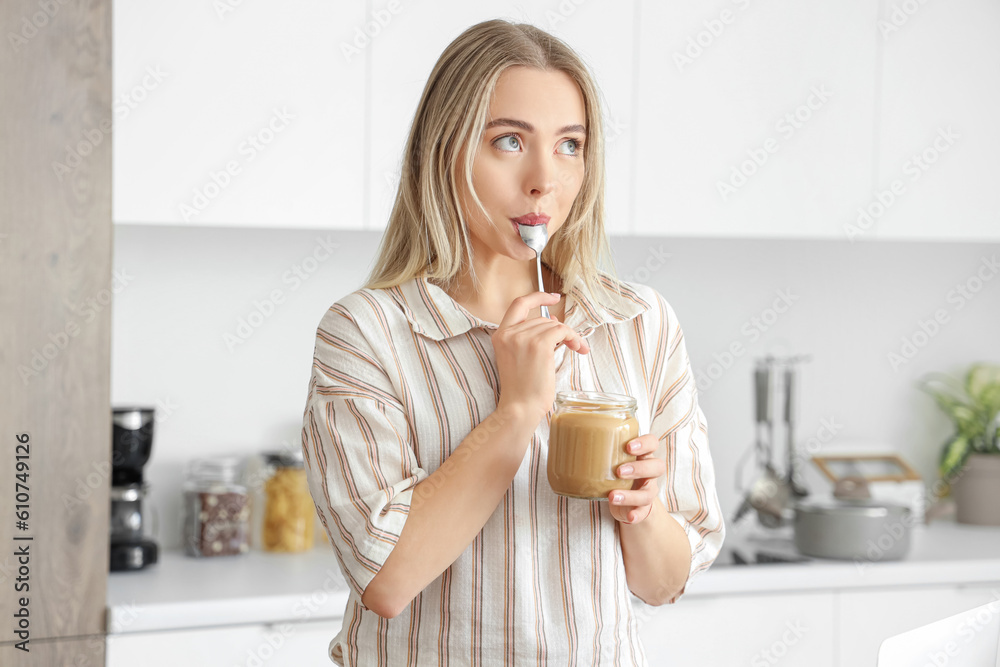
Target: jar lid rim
(599,399)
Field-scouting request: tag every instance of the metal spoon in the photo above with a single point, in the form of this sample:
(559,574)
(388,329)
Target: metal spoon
(535,237)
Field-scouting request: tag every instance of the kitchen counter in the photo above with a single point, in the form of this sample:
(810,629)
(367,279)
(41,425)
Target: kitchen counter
(256,587)
(941,553)
(183,592)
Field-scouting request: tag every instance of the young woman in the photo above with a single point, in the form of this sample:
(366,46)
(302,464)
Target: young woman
(426,426)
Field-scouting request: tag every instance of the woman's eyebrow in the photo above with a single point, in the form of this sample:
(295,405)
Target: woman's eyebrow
(528,127)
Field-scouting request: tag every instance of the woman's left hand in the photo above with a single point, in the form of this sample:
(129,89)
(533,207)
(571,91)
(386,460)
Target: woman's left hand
(635,505)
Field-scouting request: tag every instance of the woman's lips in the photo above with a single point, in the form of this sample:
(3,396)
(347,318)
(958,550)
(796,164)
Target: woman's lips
(532,219)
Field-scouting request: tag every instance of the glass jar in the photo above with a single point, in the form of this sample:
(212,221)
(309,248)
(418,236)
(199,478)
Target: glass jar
(286,514)
(587,437)
(216,510)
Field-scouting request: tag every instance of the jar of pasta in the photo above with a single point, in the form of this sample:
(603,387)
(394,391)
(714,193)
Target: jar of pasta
(216,508)
(286,514)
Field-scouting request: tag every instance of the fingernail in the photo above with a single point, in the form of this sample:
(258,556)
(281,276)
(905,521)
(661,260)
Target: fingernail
(618,497)
(624,470)
(634,446)
(556,294)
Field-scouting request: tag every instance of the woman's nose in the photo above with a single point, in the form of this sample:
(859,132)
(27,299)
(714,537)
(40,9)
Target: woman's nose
(540,178)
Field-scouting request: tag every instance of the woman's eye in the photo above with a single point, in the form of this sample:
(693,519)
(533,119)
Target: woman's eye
(507,142)
(569,147)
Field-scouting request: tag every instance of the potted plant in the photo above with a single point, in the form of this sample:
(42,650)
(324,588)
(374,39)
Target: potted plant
(970,458)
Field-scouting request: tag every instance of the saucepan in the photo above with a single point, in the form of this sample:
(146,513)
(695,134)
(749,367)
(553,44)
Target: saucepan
(859,530)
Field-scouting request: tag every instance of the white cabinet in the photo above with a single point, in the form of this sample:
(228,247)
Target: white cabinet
(404,55)
(938,124)
(238,113)
(866,618)
(756,630)
(755,119)
(728,118)
(278,645)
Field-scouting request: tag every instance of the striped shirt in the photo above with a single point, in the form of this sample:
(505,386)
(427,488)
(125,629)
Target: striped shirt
(400,376)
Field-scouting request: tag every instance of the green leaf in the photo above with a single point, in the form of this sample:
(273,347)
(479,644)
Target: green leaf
(941,384)
(981,378)
(953,457)
(989,401)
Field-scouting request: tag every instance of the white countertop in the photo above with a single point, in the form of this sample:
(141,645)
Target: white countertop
(183,592)
(942,553)
(257,587)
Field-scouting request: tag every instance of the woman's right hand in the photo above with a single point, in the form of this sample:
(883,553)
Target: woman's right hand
(525,354)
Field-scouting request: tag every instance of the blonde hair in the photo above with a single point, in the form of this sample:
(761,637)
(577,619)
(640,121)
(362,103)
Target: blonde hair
(427,235)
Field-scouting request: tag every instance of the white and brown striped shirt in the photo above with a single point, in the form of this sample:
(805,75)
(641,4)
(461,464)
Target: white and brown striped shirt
(400,377)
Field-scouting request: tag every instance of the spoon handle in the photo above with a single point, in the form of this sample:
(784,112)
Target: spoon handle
(541,286)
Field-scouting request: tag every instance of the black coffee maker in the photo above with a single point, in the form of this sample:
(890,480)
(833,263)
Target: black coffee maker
(131,443)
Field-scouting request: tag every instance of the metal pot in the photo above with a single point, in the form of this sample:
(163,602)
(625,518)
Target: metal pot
(860,530)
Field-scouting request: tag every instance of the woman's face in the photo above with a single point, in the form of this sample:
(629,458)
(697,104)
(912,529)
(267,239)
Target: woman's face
(529,160)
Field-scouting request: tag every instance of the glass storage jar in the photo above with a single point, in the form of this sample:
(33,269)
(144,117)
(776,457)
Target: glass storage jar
(286,515)
(216,508)
(587,437)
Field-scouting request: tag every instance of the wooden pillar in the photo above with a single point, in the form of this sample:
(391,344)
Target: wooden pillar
(55,326)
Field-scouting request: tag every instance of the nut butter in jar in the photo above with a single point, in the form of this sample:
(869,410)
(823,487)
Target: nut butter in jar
(587,438)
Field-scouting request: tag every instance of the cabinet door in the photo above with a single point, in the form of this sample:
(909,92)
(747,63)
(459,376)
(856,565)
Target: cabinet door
(866,618)
(239,113)
(601,31)
(277,644)
(755,630)
(939,132)
(755,119)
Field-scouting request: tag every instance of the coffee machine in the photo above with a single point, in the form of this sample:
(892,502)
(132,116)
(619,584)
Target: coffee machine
(131,443)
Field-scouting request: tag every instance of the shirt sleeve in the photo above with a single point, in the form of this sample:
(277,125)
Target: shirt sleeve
(689,492)
(358,448)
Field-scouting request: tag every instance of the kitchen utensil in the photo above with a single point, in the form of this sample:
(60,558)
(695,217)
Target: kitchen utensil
(770,494)
(862,530)
(535,237)
(795,488)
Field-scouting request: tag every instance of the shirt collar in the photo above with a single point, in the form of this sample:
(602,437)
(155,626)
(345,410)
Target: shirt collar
(434,314)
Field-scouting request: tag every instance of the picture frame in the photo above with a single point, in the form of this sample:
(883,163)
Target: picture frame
(869,467)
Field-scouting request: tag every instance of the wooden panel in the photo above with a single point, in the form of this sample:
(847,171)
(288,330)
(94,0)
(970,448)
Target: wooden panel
(75,652)
(55,310)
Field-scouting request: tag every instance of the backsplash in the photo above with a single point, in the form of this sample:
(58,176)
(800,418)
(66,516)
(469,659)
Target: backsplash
(215,327)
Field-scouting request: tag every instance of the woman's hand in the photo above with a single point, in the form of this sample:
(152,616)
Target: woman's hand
(636,504)
(525,354)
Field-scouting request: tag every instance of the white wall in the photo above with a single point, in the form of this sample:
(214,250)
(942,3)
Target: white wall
(187,289)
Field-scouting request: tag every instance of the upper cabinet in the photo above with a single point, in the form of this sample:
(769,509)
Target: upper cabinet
(755,119)
(239,113)
(851,120)
(938,122)
(404,55)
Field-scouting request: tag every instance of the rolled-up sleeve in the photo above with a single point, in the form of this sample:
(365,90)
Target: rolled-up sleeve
(689,492)
(358,448)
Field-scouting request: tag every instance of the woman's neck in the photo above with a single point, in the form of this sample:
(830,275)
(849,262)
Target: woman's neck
(500,282)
